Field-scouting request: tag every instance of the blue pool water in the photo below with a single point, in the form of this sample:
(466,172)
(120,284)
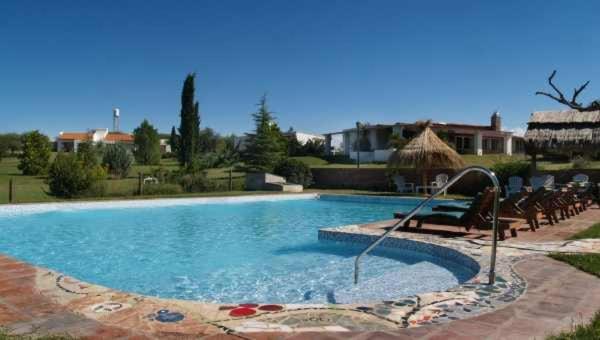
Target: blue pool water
(262,251)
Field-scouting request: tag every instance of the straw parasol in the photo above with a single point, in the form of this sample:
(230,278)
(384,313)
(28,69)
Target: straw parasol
(426,151)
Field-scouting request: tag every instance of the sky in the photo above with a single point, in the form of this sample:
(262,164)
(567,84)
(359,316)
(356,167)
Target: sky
(324,64)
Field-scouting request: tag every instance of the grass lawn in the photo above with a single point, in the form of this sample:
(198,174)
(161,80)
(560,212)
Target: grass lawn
(591,232)
(589,263)
(34,189)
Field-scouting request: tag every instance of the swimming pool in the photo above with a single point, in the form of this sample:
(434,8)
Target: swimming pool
(261,249)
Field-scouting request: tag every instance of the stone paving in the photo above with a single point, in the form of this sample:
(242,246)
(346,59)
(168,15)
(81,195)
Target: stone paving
(533,296)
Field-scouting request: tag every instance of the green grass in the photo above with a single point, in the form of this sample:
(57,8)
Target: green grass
(591,232)
(589,263)
(34,189)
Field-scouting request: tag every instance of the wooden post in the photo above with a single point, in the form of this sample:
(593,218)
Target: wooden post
(140,184)
(11,189)
(230,179)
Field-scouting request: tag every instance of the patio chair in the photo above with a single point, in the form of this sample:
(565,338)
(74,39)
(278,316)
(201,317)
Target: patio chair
(475,216)
(440,181)
(403,186)
(515,185)
(544,181)
(581,180)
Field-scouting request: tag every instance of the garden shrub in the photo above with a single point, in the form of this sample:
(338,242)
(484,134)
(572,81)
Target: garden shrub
(118,160)
(504,170)
(580,162)
(69,177)
(162,189)
(294,171)
(195,182)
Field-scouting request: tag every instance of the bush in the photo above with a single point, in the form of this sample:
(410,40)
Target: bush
(504,170)
(162,189)
(117,159)
(69,177)
(580,163)
(147,144)
(35,157)
(294,171)
(195,182)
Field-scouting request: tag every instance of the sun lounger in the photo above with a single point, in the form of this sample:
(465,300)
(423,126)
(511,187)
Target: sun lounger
(477,215)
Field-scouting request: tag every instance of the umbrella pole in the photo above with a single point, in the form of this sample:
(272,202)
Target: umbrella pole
(424,179)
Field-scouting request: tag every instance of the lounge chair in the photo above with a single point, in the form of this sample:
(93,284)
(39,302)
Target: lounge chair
(403,186)
(477,215)
(545,181)
(440,181)
(515,185)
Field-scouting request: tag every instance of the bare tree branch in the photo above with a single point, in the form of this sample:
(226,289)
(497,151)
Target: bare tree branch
(573,104)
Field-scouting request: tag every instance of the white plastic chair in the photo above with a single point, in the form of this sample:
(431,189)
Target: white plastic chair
(402,185)
(440,181)
(545,181)
(515,185)
(581,179)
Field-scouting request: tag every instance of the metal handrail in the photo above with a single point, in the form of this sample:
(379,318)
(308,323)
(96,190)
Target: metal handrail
(491,175)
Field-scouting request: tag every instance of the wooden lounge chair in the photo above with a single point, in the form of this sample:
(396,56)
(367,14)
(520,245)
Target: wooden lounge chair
(477,215)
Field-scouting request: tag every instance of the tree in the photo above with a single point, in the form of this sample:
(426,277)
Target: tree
(147,144)
(69,176)
(189,128)
(117,159)
(35,157)
(396,141)
(10,144)
(207,140)
(572,103)
(88,154)
(174,141)
(266,146)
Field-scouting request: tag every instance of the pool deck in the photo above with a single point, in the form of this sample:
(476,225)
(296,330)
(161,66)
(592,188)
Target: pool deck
(536,296)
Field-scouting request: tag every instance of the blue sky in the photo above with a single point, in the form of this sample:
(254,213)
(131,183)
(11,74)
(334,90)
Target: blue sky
(324,63)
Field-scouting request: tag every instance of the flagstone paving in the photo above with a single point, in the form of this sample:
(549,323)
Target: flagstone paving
(533,295)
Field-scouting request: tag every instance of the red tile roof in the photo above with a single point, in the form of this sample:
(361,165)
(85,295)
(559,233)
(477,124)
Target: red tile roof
(74,136)
(119,137)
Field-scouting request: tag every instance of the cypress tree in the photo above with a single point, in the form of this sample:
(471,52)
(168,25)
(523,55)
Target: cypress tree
(189,128)
(266,146)
(174,141)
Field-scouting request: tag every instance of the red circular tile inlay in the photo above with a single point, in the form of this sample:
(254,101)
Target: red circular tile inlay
(270,308)
(242,311)
(249,305)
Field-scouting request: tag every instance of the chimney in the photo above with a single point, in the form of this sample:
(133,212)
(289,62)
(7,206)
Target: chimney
(496,124)
(116,115)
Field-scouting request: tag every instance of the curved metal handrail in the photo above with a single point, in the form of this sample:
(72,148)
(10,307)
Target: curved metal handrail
(491,175)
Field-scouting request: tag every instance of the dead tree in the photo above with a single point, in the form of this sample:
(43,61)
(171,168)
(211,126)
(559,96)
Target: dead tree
(559,97)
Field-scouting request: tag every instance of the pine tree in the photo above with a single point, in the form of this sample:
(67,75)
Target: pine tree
(147,144)
(189,129)
(174,141)
(266,146)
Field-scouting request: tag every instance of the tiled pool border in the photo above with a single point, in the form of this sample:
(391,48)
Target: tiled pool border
(471,298)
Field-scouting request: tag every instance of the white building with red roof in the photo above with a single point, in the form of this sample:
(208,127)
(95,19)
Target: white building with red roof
(69,141)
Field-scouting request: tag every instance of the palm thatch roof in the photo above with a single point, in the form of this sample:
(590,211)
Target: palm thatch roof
(563,129)
(426,151)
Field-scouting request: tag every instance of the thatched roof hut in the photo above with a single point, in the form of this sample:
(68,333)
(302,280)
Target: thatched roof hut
(563,129)
(426,151)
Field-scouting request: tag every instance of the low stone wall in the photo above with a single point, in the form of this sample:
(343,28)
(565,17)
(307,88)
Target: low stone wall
(378,179)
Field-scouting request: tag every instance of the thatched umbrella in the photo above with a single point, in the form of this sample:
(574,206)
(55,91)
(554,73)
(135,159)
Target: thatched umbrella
(426,151)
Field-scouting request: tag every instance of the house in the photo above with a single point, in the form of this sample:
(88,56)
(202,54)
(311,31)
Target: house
(568,130)
(69,141)
(465,138)
(302,138)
